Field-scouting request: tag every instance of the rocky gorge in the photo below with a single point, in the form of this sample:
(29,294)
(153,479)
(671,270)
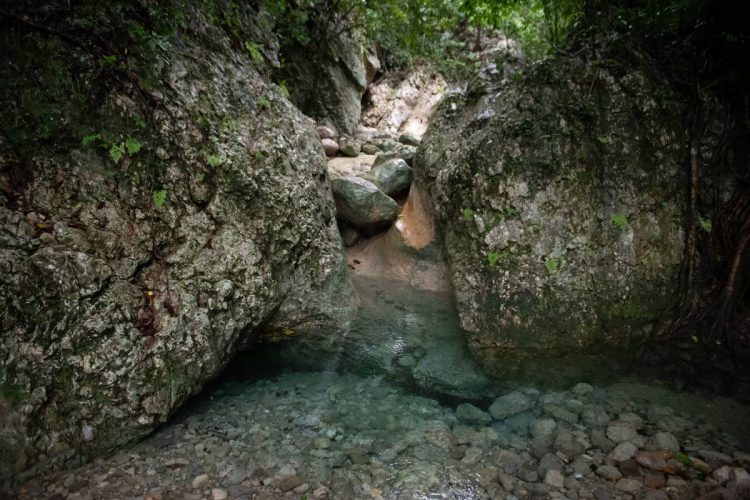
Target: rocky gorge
(350,283)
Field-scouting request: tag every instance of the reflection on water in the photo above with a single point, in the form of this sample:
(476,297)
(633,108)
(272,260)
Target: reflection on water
(394,407)
(409,336)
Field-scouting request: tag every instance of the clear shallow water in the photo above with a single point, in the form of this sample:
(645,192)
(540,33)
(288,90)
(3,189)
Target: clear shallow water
(409,336)
(373,412)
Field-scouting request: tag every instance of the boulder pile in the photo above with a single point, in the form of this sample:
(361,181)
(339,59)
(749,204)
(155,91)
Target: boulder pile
(370,174)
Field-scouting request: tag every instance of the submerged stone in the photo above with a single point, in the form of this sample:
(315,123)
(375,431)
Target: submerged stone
(663,441)
(623,451)
(472,415)
(510,404)
(621,431)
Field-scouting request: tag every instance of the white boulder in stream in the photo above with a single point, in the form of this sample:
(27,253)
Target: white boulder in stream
(362,204)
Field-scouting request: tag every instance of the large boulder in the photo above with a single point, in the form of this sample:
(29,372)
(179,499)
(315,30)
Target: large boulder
(403,151)
(134,263)
(392,177)
(329,85)
(360,203)
(561,196)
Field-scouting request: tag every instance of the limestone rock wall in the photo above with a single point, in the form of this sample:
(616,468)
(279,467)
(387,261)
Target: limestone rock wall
(330,87)
(560,189)
(146,234)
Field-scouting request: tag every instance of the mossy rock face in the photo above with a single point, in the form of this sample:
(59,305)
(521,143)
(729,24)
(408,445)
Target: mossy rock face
(149,230)
(561,197)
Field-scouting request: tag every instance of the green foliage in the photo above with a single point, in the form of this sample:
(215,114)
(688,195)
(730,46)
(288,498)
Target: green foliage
(213,160)
(705,224)
(290,20)
(492,258)
(116,151)
(553,264)
(284,86)
(603,139)
(255,54)
(132,146)
(683,459)
(264,102)
(140,122)
(109,60)
(468,213)
(159,197)
(620,221)
(506,213)
(652,16)
(407,31)
(227,124)
(88,139)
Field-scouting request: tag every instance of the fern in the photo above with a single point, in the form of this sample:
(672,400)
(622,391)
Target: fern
(132,146)
(116,151)
(284,86)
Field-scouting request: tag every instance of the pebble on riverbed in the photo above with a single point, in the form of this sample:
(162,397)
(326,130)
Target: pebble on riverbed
(324,435)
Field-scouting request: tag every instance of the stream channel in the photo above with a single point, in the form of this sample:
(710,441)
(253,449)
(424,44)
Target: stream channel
(379,411)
